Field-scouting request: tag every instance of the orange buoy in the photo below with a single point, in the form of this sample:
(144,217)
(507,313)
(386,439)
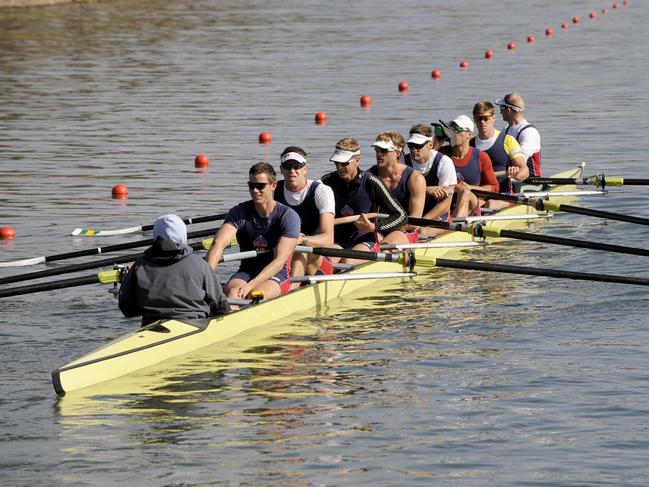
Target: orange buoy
(265,138)
(321,118)
(616,5)
(576,20)
(201,160)
(511,46)
(531,39)
(625,2)
(366,100)
(488,54)
(120,192)
(464,64)
(604,11)
(564,26)
(7,233)
(549,32)
(404,86)
(436,73)
(592,15)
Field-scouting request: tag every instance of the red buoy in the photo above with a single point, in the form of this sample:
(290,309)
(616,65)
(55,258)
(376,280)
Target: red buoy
(120,192)
(511,46)
(625,2)
(549,32)
(488,54)
(564,26)
(7,233)
(616,5)
(592,15)
(464,64)
(604,11)
(576,20)
(201,160)
(366,101)
(404,86)
(531,39)
(436,73)
(321,118)
(265,138)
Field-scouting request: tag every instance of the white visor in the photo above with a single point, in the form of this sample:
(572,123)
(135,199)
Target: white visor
(293,156)
(341,155)
(418,139)
(385,144)
(502,103)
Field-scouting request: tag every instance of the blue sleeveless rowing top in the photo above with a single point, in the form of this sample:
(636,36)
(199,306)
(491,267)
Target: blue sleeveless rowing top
(499,160)
(471,173)
(307,210)
(534,161)
(401,193)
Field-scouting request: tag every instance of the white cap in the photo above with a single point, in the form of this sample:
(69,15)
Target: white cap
(342,155)
(418,139)
(293,156)
(385,144)
(513,101)
(464,122)
(170,227)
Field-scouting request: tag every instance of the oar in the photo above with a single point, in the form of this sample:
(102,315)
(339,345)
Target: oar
(83,232)
(105,277)
(97,250)
(353,277)
(599,181)
(483,231)
(116,260)
(473,265)
(545,205)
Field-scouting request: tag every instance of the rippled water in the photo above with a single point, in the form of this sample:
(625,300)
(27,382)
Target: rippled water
(456,377)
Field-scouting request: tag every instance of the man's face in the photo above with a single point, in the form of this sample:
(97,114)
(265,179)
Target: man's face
(294,173)
(485,123)
(420,152)
(347,170)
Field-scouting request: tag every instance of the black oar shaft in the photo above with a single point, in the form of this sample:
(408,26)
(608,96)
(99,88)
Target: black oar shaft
(48,286)
(533,271)
(79,267)
(571,242)
(604,214)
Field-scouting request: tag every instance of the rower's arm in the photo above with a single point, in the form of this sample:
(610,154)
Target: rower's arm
(517,161)
(222,239)
(326,236)
(417,189)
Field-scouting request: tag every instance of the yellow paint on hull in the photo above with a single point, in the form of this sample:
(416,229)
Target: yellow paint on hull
(159,342)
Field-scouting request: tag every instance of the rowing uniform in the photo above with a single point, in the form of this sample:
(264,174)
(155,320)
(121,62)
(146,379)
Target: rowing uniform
(402,194)
(365,194)
(309,203)
(258,233)
(438,171)
(529,139)
(474,168)
(502,148)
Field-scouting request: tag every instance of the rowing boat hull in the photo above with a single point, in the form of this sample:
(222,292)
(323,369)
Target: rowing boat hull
(159,342)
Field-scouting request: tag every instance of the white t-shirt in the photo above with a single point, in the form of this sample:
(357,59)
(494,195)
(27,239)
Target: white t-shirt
(530,140)
(446,174)
(324,197)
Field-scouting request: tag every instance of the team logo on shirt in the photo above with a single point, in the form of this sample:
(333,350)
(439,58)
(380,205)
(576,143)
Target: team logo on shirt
(260,243)
(347,211)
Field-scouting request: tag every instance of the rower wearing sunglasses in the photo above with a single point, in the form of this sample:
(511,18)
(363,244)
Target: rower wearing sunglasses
(405,184)
(438,171)
(358,192)
(260,223)
(314,203)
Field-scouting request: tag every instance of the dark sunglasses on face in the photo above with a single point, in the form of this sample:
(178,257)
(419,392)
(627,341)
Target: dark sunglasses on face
(381,150)
(483,118)
(343,164)
(259,186)
(288,165)
(412,145)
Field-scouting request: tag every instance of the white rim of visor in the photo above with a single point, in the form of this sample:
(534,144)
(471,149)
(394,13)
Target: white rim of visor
(385,144)
(418,139)
(342,155)
(502,103)
(293,156)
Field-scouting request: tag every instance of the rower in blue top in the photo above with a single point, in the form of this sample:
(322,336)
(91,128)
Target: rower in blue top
(260,223)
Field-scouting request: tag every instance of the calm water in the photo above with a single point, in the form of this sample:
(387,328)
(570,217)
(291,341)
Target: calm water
(456,378)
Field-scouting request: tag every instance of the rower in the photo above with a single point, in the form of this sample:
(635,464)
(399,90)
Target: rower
(527,135)
(473,167)
(315,204)
(169,281)
(506,156)
(358,192)
(405,184)
(260,223)
(438,171)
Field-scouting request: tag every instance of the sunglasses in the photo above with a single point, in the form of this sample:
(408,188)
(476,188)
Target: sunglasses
(381,150)
(412,145)
(288,165)
(259,186)
(343,164)
(483,118)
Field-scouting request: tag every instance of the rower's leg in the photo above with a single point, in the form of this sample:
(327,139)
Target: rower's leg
(466,203)
(497,204)
(233,286)
(396,237)
(298,266)
(270,288)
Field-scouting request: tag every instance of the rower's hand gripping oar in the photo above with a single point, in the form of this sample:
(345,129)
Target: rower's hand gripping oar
(599,181)
(478,230)
(541,204)
(83,232)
